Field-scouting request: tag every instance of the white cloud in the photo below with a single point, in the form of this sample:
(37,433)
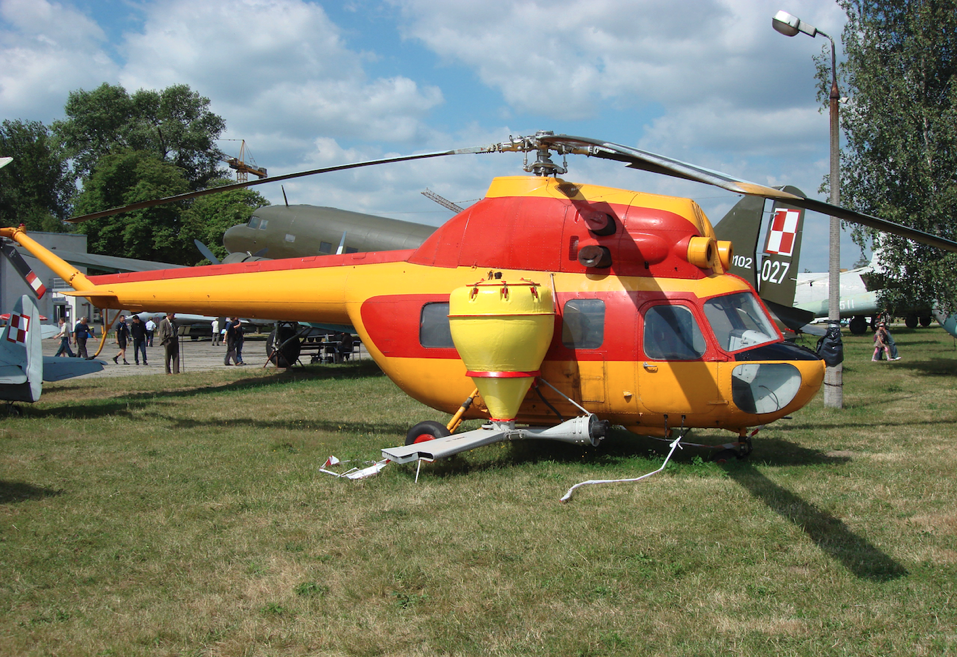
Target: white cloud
(48,49)
(277,67)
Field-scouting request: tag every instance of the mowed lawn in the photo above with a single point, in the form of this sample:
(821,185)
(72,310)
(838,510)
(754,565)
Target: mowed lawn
(187,516)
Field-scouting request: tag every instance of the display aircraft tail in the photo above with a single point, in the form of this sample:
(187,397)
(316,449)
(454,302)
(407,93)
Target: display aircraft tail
(774,275)
(21,354)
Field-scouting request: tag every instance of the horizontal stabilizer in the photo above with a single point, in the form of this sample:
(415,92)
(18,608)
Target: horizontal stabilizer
(58,369)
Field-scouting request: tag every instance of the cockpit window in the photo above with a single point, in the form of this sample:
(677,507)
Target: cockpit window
(253,222)
(739,321)
(434,331)
(672,333)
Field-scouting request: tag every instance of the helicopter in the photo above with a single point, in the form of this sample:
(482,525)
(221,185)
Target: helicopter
(549,309)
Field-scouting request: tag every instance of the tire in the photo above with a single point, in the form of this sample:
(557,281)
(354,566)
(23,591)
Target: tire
(289,354)
(925,320)
(424,431)
(911,321)
(858,325)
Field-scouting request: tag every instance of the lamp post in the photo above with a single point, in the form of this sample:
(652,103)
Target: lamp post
(789,25)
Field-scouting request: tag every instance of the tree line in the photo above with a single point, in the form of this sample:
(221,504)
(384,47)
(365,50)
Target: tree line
(113,149)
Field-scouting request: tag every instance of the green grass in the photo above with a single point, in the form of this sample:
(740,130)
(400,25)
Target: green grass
(186,516)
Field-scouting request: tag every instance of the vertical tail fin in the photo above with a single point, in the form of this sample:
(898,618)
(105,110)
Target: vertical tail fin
(21,354)
(782,252)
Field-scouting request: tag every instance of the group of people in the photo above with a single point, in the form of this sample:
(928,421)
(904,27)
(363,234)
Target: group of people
(884,344)
(78,335)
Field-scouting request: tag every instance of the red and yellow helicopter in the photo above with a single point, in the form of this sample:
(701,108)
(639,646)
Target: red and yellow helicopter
(553,308)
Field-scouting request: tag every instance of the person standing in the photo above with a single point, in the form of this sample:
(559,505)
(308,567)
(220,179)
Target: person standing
(64,337)
(150,329)
(122,337)
(170,342)
(138,333)
(81,333)
(230,343)
(240,339)
(215,327)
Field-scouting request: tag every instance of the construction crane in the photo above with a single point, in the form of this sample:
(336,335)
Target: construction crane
(444,202)
(243,169)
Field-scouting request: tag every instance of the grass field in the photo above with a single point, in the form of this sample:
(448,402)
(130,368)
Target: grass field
(186,516)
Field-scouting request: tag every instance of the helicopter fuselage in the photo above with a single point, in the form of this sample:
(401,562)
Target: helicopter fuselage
(650,331)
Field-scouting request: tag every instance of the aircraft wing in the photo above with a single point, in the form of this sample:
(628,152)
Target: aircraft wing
(58,369)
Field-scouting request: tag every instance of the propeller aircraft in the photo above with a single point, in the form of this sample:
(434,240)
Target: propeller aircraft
(550,309)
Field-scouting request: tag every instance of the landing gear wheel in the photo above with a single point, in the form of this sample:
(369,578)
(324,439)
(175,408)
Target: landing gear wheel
(424,431)
(724,456)
(925,320)
(280,352)
(858,325)
(911,321)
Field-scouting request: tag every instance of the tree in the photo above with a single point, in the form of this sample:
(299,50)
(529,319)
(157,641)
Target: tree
(900,161)
(36,189)
(175,125)
(211,216)
(129,177)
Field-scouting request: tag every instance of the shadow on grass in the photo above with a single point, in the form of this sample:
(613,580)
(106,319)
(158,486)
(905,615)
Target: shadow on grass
(830,534)
(15,491)
(124,403)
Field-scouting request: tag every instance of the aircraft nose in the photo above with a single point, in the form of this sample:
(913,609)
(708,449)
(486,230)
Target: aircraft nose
(239,238)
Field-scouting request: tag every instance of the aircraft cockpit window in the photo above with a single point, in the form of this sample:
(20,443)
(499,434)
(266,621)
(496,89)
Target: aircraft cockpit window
(325,247)
(263,224)
(290,238)
(434,328)
(738,321)
(583,323)
(672,333)
(253,222)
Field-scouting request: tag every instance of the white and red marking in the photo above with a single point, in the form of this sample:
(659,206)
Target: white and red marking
(19,326)
(783,233)
(37,286)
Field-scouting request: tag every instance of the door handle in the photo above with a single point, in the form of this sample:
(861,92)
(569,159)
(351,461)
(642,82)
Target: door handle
(650,368)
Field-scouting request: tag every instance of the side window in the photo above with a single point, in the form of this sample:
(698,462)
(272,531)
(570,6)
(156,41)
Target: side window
(264,224)
(671,333)
(434,329)
(325,247)
(583,323)
(253,222)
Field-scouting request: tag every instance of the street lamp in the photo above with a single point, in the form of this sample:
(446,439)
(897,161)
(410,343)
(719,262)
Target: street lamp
(789,25)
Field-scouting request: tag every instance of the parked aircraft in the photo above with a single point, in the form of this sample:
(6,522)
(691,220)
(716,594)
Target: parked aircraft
(616,304)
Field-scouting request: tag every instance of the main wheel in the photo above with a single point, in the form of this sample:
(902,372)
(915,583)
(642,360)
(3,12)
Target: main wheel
(911,321)
(858,325)
(925,320)
(280,352)
(428,430)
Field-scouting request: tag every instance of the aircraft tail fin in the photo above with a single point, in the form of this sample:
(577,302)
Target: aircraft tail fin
(782,252)
(21,354)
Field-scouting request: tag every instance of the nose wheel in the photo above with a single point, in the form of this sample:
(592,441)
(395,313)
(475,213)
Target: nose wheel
(733,451)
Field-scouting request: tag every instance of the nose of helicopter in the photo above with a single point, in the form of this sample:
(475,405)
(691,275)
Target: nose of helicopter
(775,379)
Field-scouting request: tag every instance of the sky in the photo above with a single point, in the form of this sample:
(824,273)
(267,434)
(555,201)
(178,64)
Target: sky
(313,84)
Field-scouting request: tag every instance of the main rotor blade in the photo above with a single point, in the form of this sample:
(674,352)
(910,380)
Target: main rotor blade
(638,159)
(225,188)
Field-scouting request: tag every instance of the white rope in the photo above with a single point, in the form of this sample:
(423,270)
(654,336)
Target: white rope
(674,445)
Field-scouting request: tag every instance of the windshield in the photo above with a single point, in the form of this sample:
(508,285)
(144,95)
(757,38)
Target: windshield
(739,321)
